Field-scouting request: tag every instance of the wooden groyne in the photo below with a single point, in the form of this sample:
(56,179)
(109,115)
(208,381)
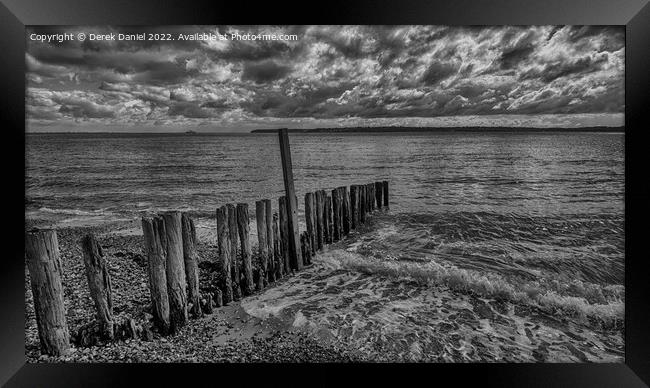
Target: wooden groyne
(170,245)
(172,262)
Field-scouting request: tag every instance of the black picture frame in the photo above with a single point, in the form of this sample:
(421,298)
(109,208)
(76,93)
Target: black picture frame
(634,14)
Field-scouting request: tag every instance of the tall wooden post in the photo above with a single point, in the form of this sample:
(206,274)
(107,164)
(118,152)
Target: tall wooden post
(155,244)
(99,283)
(284,234)
(336,215)
(191,257)
(320,207)
(262,245)
(295,256)
(176,281)
(235,260)
(269,241)
(327,219)
(44,264)
(379,191)
(385,195)
(353,207)
(223,240)
(279,267)
(363,201)
(309,219)
(346,210)
(246,254)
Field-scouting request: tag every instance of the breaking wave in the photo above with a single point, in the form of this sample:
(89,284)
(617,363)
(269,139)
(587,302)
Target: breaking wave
(603,306)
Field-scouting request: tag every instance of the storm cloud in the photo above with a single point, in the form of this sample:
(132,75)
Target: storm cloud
(328,76)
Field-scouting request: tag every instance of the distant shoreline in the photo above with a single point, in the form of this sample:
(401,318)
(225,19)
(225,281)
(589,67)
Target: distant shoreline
(442,129)
(369,130)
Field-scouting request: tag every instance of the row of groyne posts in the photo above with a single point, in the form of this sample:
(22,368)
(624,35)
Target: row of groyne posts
(173,266)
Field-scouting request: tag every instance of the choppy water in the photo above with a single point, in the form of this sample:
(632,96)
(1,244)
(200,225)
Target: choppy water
(534,218)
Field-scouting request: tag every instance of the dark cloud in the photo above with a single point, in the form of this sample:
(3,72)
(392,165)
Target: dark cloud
(189,109)
(556,70)
(264,71)
(81,108)
(330,72)
(438,71)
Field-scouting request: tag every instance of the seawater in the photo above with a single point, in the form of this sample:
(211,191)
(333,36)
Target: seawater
(535,219)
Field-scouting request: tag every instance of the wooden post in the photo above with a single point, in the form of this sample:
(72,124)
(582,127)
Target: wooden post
(269,241)
(339,194)
(336,215)
(353,207)
(244,231)
(320,207)
(262,244)
(379,191)
(385,195)
(277,256)
(303,246)
(309,219)
(176,281)
(99,283)
(223,240)
(235,260)
(284,234)
(327,218)
(305,239)
(295,257)
(44,264)
(191,257)
(363,203)
(346,210)
(155,243)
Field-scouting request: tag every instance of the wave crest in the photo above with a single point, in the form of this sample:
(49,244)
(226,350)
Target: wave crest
(602,306)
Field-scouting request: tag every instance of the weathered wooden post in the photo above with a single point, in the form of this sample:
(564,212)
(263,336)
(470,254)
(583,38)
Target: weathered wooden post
(320,208)
(244,231)
(155,243)
(235,261)
(340,192)
(269,241)
(353,207)
(379,191)
(345,210)
(284,235)
(336,207)
(295,257)
(190,256)
(327,219)
(44,264)
(277,255)
(307,243)
(262,244)
(363,204)
(176,281)
(225,251)
(309,219)
(385,195)
(99,283)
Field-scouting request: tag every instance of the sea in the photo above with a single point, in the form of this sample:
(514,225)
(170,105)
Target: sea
(476,218)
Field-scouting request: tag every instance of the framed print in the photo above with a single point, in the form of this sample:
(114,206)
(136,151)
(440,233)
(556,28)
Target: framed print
(427,189)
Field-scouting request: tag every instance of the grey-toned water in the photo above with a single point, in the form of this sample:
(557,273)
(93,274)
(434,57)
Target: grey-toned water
(504,201)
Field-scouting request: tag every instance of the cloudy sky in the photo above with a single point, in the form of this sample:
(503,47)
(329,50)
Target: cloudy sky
(331,76)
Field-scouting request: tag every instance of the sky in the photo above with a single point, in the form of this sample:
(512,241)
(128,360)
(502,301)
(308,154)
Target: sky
(326,76)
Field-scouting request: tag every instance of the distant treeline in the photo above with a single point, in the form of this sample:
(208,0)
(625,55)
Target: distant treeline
(441,129)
